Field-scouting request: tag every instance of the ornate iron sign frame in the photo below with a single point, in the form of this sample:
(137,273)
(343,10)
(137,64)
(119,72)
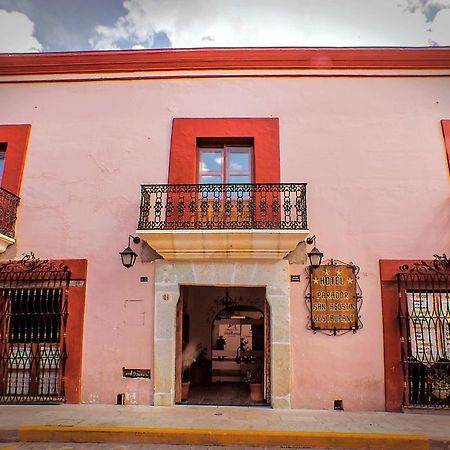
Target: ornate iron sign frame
(338,301)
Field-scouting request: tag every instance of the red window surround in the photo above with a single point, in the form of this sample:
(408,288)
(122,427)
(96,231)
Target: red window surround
(16,138)
(393,370)
(74,330)
(446,132)
(185,132)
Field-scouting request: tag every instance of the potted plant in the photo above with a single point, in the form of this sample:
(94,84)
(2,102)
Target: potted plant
(187,362)
(254,378)
(200,372)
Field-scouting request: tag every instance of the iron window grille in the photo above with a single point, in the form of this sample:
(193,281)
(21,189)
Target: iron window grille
(33,317)
(424,319)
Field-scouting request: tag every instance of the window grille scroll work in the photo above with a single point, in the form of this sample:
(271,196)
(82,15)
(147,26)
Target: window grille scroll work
(33,318)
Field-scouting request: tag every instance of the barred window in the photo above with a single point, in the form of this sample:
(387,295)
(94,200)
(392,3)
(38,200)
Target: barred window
(429,324)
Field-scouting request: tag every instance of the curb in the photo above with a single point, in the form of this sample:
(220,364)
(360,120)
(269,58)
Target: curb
(196,436)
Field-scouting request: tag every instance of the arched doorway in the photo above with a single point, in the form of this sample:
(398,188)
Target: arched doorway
(223,344)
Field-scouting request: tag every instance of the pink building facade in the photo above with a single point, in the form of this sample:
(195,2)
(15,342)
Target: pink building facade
(367,130)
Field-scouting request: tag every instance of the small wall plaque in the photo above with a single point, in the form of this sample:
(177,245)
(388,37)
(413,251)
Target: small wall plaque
(135,373)
(295,278)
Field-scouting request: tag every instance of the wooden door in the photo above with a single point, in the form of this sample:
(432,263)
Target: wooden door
(267,355)
(179,348)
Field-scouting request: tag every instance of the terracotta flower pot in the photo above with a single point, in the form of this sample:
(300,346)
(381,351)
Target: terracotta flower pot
(256,392)
(185,390)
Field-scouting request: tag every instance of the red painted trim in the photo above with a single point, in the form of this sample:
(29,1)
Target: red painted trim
(225,59)
(85,79)
(16,137)
(74,329)
(78,267)
(446,132)
(393,370)
(74,344)
(183,149)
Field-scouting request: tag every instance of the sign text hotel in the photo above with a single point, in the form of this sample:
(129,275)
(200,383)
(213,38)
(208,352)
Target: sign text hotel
(333,298)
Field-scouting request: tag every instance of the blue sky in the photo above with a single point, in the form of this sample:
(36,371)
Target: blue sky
(74,25)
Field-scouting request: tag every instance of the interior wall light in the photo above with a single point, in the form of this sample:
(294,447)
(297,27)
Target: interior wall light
(128,256)
(315,255)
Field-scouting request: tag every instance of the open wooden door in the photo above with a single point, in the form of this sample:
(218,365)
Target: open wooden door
(267,356)
(179,348)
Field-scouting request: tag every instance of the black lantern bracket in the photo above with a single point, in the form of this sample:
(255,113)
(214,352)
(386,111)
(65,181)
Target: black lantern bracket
(128,256)
(359,299)
(315,255)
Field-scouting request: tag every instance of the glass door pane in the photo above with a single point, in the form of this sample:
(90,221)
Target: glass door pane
(239,161)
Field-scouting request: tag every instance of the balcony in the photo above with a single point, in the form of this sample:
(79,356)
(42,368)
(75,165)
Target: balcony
(8,215)
(223,221)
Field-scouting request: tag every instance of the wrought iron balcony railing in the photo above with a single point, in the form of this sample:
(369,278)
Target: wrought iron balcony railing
(8,212)
(223,206)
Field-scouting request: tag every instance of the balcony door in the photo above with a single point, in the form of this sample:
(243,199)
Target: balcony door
(229,171)
(225,164)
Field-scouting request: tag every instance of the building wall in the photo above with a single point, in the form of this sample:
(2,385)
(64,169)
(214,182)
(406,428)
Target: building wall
(370,148)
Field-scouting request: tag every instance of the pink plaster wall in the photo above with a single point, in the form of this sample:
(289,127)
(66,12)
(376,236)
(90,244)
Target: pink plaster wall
(371,150)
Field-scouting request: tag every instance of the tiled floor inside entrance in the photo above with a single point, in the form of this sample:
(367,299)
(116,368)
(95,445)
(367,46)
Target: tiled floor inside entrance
(224,394)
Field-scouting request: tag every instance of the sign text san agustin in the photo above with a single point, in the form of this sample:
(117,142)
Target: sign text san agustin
(333,298)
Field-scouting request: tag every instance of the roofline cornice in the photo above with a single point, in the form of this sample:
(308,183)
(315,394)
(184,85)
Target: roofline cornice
(360,58)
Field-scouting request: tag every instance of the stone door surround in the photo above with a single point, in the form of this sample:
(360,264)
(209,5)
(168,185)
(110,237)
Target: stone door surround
(273,276)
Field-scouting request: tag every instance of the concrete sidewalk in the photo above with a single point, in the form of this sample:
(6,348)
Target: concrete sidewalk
(210,425)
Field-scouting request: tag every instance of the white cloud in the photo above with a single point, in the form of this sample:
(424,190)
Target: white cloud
(441,27)
(16,33)
(429,8)
(204,23)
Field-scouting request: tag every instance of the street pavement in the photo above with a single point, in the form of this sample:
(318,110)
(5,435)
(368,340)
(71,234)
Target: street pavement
(134,427)
(109,446)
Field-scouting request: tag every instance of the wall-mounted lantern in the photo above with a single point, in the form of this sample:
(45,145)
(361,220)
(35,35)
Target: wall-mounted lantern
(315,255)
(128,256)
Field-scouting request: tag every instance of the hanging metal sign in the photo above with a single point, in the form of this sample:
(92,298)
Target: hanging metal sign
(333,297)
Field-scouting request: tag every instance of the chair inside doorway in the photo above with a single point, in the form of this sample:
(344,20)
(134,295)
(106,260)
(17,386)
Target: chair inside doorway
(225,341)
